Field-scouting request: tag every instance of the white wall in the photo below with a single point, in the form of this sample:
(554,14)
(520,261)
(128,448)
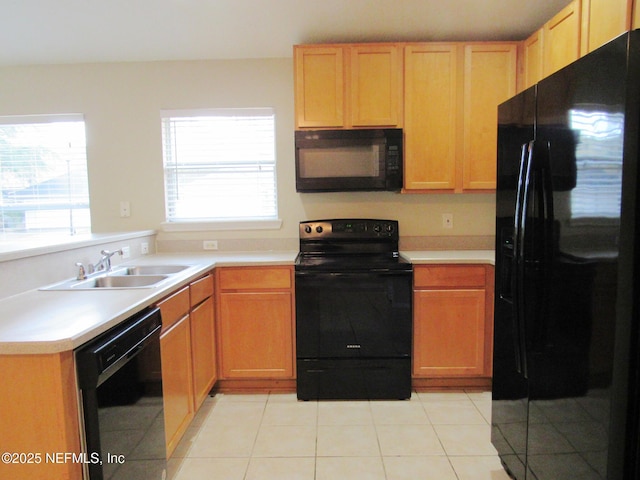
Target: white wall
(122,102)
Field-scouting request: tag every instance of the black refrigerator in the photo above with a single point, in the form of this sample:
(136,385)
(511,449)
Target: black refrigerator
(565,386)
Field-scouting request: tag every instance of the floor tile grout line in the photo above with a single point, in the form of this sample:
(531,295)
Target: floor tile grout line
(375,427)
(255,440)
(420,400)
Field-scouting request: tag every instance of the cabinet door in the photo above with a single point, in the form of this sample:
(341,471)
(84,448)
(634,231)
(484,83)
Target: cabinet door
(256,335)
(449,333)
(319,86)
(39,414)
(489,79)
(375,85)
(532,51)
(177,389)
(203,350)
(431,106)
(174,307)
(562,38)
(603,20)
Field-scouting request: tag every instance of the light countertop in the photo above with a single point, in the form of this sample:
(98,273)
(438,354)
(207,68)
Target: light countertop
(418,257)
(52,321)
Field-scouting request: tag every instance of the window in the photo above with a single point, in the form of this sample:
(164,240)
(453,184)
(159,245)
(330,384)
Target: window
(219,165)
(43,176)
(599,165)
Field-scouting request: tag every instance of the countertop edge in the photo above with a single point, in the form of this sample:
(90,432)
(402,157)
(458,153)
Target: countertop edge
(134,302)
(433,257)
(140,298)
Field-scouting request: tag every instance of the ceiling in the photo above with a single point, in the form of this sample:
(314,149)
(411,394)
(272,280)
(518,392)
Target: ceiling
(79,31)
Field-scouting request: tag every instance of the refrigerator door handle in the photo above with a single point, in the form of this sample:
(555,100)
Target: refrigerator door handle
(542,260)
(536,249)
(517,270)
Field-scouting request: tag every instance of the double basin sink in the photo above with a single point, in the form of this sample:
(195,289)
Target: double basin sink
(125,276)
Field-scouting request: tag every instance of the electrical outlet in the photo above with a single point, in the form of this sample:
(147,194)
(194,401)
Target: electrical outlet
(126,252)
(447,220)
(210,245)
(125,209)
(144,248)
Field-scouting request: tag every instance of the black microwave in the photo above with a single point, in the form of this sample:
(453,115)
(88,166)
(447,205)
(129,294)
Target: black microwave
(348,160)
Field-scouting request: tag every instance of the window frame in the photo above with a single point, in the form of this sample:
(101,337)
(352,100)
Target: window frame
(219,223)
(57,234)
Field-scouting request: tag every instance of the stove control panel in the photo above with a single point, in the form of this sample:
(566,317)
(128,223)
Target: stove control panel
(356,229)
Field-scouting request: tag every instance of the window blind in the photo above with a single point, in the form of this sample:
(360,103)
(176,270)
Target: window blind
(598,163)
(43,176)
(219,164)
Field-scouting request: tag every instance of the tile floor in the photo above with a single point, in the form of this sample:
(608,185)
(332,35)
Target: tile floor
(433,436)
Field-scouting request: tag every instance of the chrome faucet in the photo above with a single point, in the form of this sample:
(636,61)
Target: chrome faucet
(105,261)
(82,273)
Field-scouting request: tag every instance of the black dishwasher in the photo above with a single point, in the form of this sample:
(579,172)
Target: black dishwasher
(120,382)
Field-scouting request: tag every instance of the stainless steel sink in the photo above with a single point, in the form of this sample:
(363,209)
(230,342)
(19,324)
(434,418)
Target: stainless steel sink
(109,281)
(121,277)
(119,281)
(148,269)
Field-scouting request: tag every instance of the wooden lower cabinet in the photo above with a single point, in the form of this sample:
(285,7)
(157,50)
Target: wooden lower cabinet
(453,325)
(256,336)
(175,347)
(255,324)
(449,334)
(187,345)
(39,415)
(203,350)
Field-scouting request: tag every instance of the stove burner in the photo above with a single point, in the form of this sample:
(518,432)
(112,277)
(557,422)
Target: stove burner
(349,244)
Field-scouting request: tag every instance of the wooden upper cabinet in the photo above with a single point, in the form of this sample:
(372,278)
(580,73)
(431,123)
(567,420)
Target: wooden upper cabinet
(562,38)
(344,86)
(319,86)
(375,86)
(489,79)
(603,20)
(532,51)
(431,106)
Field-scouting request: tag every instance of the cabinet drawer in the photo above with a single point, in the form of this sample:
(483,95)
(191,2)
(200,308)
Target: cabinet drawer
(449,276)
(201,289)
(175,307)
(254,278)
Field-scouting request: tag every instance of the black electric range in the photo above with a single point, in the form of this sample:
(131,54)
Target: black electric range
(353,311)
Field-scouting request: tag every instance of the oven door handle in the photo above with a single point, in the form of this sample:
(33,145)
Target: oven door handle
(382,272)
